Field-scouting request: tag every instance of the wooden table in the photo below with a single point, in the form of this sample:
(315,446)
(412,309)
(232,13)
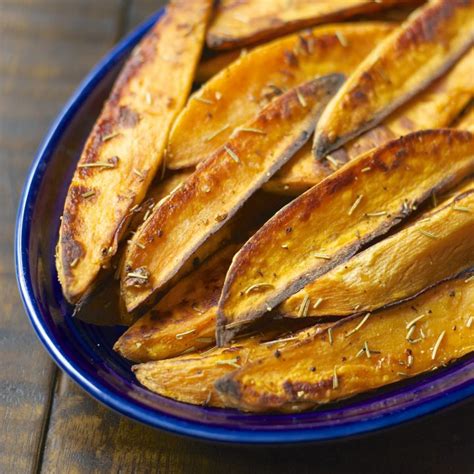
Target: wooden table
(48,424)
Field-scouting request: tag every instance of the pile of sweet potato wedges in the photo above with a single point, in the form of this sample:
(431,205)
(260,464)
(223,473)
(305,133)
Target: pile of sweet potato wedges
(297,228)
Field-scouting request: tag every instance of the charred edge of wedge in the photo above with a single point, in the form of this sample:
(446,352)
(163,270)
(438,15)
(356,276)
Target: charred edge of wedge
(281,312)
(324,87)
(231,389)
(223,333)
(275,28)
(324,144)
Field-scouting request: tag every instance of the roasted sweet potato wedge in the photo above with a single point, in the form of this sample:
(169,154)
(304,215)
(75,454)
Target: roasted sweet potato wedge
(209,67)
(413,56)
(237,93)
(220,186)
(359,354)
(435,107)
(191,378)
(328,224)
(184,319)
(436,247)
(126,145)
(238,24)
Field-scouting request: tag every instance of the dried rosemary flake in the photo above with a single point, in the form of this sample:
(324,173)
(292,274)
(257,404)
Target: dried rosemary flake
(434,200)
(251,130)
(364,320)
(137,275)
(342,39)
(410,332)
(469,322)
(232,362)
(217,132)
(414,321)
(335,380)
(237,323)
(366,169)
(461,209)
(97,164)
(403,374)
(303,311)
(376,214)
(410,359)
(278,341)
(74,263)
(195,308)
(185,333)
(108,137)
(324,256)
(468,280)
(191,349)
(330,336)
(333,161)
(284,246)
(218,95)
(318,302)
(258,286)
(88,194)
(138,173)
(354,206)
(138,244)
(436,346)
(427,234)
(301,99)
(232,154)
(204,101)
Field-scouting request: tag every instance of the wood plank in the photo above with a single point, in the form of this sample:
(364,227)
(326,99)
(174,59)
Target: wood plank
(47,47)
(85,437)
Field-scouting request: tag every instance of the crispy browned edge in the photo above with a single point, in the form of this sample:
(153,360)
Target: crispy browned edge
(421,26)
(68,249)
(279,28)
(327,187)
(329,84)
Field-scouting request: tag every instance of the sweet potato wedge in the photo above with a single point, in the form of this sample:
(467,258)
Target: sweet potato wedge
(327,225)
(436,247)
(237,24)
(359,354)
(184,319)
(413,56)
(237,93)
(435,107)
(219,187)
(126,145)
(209,67)
(191,378)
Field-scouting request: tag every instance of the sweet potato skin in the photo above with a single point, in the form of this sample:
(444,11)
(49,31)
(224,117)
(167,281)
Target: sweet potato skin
(220,186)
(190,378)
(237,93)
(326,225)
(126,145)
(238,24)
(435,107)
(420,51)
(345,368)
(436,247)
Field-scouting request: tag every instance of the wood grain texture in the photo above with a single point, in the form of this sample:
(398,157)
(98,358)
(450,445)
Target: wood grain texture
(47,47)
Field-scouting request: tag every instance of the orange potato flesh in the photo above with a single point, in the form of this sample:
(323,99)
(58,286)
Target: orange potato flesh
(359,354)
(237,24)
(237,93)
(219,187)
(190,378)
(126,145)
(327,225)
(436,247)
(435,107)
(405,62)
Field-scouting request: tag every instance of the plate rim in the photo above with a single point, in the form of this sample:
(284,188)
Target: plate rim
(149,416)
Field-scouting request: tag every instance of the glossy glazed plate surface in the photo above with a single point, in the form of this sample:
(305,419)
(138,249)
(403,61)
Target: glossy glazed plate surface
(85,352)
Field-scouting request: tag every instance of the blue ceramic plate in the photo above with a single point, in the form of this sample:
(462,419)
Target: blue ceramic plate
(85,352)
